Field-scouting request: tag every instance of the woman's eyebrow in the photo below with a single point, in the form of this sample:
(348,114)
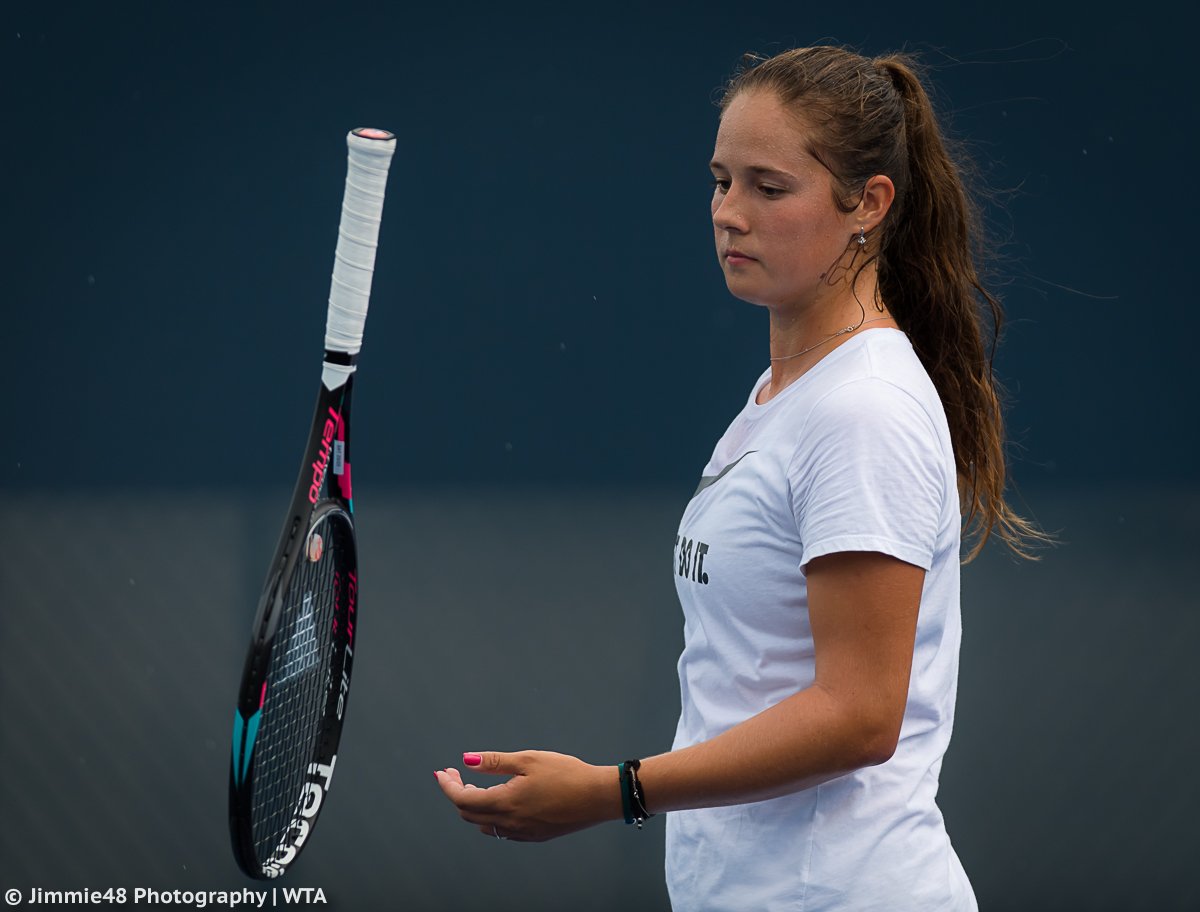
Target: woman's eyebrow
(759,170)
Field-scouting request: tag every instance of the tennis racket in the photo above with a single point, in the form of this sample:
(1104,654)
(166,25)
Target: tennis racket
(296,680)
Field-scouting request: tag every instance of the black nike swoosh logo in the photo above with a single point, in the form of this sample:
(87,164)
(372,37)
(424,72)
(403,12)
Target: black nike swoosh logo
(709,480)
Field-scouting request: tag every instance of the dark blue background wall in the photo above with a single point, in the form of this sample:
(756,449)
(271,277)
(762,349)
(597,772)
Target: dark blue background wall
(548,306)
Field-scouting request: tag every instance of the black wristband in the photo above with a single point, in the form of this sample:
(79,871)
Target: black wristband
(633,798)
(623,781)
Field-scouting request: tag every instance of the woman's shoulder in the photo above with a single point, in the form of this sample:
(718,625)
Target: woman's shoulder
(885,354)
(877,404)
(878,376)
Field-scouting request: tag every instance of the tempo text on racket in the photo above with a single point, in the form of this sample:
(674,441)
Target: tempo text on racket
(276,897)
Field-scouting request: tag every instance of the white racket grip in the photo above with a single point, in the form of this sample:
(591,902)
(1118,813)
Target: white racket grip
(370,154)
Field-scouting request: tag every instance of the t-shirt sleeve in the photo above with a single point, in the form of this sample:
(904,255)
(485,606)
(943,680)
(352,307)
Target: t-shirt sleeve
(869,474)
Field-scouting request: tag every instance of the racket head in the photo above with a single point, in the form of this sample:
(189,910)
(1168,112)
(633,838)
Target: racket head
(294,694)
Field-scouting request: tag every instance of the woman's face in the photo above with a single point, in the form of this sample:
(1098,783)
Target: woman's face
(777,229)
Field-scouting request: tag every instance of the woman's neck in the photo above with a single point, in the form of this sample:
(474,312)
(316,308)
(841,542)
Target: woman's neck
(800,336)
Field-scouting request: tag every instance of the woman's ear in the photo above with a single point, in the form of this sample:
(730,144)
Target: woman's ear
(877,198)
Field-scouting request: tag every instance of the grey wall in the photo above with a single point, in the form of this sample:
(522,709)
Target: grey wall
(499,620)
(549,357)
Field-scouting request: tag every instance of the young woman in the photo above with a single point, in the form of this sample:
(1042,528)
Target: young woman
(818,562)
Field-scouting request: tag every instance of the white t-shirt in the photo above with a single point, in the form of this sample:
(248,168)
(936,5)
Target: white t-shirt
(855,455)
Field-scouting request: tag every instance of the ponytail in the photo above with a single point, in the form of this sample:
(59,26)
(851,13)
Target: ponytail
(928,276)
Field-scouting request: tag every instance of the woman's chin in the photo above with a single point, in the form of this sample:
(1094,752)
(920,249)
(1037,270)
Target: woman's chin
(744,293)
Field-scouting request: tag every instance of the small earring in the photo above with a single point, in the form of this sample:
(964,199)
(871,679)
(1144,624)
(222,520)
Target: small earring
(862,236)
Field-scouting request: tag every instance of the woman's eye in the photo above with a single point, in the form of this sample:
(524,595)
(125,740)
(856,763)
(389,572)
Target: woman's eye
(720,183)
(770,192)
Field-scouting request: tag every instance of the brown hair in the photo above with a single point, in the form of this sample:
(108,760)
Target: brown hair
(872,117)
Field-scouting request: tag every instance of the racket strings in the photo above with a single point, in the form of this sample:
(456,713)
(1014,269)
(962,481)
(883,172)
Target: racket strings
(298,682)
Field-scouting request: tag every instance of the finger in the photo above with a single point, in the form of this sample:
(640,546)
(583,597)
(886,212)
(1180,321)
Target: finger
(481,819)
(447,778)
(495,831)
(452,785)
(454,776)
(495,762)
(469,798)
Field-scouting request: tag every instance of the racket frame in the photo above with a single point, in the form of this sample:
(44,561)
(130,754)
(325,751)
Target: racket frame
(333,494)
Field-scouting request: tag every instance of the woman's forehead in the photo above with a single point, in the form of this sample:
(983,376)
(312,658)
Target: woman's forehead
(756,125)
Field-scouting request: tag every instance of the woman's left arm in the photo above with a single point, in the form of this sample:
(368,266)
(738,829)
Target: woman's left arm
(863,609)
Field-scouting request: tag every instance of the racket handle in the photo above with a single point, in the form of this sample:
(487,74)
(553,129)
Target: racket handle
(370,154)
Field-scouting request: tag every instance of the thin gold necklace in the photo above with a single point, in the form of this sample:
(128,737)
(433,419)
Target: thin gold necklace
(840,332)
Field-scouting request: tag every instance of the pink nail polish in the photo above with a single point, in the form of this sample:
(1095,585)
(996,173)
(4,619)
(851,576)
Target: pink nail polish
(472,759)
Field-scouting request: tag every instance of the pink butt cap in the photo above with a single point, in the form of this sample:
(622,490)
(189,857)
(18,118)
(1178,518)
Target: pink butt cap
(372,133)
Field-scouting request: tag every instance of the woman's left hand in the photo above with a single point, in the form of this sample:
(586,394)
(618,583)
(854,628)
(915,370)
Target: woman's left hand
(548,795)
